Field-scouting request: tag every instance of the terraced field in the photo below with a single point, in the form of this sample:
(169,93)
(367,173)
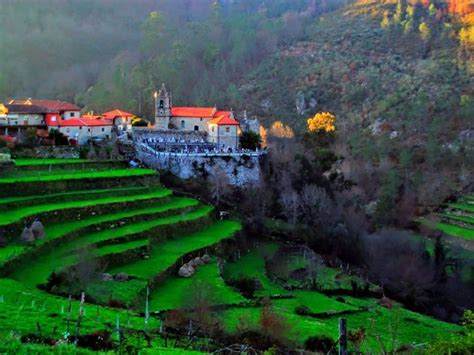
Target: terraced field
(137,226)
(456,219)
(121,237)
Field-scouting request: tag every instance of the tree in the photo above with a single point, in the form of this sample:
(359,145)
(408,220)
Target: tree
(272,325)
(425,31)
(322,121)
(220,185)
(290,202)
(385,23)
(250,140)
(398,16)
(280,130)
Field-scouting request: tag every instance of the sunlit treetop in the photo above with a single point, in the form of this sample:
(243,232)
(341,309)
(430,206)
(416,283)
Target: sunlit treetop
(322,121)
(281,130)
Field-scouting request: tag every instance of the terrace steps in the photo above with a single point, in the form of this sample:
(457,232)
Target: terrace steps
(65,254)
(456,220)
(25,201)
(61,232)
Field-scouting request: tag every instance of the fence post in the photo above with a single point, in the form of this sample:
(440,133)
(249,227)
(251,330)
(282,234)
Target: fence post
(342,337)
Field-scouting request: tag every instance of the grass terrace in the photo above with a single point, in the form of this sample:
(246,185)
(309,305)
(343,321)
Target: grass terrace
(176,292)
(16,215)
(166,254)
(24,162)
(457,219)
(64,255)
(38,199)
(44,176)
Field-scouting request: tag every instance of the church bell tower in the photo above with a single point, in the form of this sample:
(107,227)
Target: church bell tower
(163,104)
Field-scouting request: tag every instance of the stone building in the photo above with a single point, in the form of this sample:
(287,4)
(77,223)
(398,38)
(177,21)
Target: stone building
(221,126)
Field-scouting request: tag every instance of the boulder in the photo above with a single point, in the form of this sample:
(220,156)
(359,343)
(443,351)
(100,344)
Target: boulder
(27,236)
(186,271)
(38,229)
(107,277)
(206,258)
(300,103)
(198,262)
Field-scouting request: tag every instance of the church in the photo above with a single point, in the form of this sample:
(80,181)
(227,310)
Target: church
(221,126)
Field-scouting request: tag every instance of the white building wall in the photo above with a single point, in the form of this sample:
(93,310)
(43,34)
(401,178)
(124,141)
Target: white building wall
(20,119)
(190,123)
(83,133)
(71,114)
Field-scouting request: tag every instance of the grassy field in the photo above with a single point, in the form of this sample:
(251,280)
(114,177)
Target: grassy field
(23,162)
(252,265)
(469,207)
(16,215)
(177,292)
(456,219)
(64,255)
(144,240)
(71,194)
(61,229)
(77,175)
(164,255)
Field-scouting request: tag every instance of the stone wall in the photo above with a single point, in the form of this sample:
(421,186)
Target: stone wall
(238,169)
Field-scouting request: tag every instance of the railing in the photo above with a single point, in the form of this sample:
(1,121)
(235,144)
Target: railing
(235,153)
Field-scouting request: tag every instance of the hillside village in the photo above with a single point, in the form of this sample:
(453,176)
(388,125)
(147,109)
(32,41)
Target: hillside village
(237,177)
(218,130)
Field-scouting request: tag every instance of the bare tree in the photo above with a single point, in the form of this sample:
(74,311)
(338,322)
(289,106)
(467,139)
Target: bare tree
(290,202)
(220,185)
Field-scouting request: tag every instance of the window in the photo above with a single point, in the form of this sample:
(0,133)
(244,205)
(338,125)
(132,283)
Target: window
(67,130)
(183,124)
(213,129)
(88,130)
(73,114)
(227,130)
(80,127)
(162,104)
(196,128)
(201,119)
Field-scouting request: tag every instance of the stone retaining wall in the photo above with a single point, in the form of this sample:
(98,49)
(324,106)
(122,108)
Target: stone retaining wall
(238,169)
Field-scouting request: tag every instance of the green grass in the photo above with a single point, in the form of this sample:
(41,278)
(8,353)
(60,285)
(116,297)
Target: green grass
(176,292)
(61,229)
(63,255)
(19,315)
(464,219)
(23,162)
(10,252)
(16,215)
(404,326)
(124,292)
(456,231)
(252,265)
(120,248)
(77,175)
(462,206)
(38,198)
(165,254)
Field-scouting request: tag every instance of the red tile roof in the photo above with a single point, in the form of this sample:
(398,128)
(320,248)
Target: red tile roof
(116,113)
(7,138)
(223,118)
(21,108)
(53,105)
(77,122)
(193,112)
